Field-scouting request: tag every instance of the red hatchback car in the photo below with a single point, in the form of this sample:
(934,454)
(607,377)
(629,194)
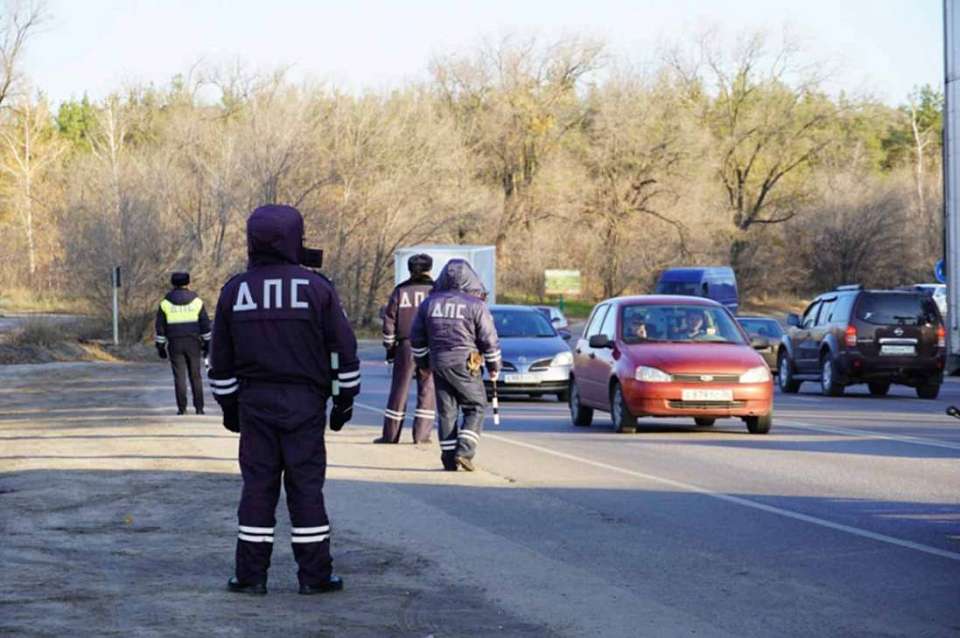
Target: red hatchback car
(668,356)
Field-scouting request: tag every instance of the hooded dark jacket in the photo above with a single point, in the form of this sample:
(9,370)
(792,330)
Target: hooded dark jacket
(454,320)
(402,308)
(279,322)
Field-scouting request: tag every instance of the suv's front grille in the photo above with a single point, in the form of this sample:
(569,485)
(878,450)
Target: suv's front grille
(711,378)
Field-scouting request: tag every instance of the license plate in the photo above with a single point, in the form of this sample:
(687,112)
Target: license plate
(720,396)
(526,378)
(898,350)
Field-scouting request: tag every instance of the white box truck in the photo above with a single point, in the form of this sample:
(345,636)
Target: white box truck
(482,258)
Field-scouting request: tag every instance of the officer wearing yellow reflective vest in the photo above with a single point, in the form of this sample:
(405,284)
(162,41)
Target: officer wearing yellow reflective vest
(183,335)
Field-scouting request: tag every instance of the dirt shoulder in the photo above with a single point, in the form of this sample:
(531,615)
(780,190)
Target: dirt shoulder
(118,518)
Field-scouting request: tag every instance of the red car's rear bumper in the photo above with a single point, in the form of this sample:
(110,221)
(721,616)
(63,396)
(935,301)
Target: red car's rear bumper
(666,399)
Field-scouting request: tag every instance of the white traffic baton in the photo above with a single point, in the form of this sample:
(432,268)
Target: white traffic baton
(495,402)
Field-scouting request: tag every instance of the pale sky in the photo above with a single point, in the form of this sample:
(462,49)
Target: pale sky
(882,48)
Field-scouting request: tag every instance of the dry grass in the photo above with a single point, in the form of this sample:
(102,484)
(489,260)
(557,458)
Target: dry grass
(17,300)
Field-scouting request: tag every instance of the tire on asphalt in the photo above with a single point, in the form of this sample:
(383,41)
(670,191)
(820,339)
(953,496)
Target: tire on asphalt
(580,415)
(928,390)
(623,421)
(759,424)
(829,385)
(788,385)
(704,422)
(879,388)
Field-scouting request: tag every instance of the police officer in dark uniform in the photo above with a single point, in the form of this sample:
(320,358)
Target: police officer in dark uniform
(282,345)
(183,335)
(397,322)
(454,335)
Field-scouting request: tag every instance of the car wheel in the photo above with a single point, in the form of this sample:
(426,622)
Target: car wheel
(623,421)
(580,415)
(928,390)
(828,377)
(788,385)
(759,424)
(704,422)
(879,388)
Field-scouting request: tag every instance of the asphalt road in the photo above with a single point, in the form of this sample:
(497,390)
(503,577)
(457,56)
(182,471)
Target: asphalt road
(844,521)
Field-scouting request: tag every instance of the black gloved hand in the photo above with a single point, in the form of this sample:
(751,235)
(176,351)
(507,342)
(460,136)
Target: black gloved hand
(205,349)
(391,354)
(231,417)
(341,413)
(493,371)
(162,350)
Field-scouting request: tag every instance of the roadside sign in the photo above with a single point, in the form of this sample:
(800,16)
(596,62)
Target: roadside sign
(561,282)
(940,272)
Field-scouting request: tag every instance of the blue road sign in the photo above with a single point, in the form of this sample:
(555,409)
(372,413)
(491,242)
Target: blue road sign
(939,271)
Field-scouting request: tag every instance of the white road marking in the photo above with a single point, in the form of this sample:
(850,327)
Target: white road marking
(873,434)
(723,496)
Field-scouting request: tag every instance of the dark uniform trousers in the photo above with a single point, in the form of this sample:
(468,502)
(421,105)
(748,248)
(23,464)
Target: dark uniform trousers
(281,437)
(185,359)
(404,370)
(459,391)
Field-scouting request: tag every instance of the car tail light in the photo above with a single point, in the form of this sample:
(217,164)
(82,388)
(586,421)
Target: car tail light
(850,337)
(941,337)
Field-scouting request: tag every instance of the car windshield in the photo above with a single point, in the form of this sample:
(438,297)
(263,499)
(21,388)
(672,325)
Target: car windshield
(522,323)
(688,288)
(762,327)
(892,309)
(679,324)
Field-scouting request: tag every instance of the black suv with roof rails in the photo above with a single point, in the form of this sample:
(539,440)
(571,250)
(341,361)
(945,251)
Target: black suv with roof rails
(851,335)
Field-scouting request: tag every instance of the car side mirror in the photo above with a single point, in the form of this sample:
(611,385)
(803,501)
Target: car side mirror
(565,334)
(759,343)
(793,319)
(600,341)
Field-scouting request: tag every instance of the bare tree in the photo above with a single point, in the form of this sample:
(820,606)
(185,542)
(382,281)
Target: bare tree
(30,146)
(515,102)
(18,22)
(631,150)
(769,122)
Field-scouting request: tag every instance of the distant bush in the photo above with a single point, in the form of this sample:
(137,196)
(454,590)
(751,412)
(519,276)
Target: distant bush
(43,332)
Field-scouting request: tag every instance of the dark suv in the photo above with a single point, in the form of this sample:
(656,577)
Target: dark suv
(878,337)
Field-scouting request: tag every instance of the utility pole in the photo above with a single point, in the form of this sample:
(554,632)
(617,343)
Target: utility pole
(951,175)
(115,280)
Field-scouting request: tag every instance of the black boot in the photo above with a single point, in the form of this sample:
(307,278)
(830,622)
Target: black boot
(383,440)
(181,411)
(238,587)
(199,410)
(334,584)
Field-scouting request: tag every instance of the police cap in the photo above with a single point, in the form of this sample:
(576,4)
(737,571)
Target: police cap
(180,279)
(419,264)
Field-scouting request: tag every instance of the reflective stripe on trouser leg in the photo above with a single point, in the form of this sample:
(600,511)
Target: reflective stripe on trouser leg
(261,466)
(305,460)
(403,368)
(426,413)
(447,412)
(471,397)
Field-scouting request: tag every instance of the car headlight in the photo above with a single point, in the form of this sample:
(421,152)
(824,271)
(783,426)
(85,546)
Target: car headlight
(563,359)
(651,375)
(756,375)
